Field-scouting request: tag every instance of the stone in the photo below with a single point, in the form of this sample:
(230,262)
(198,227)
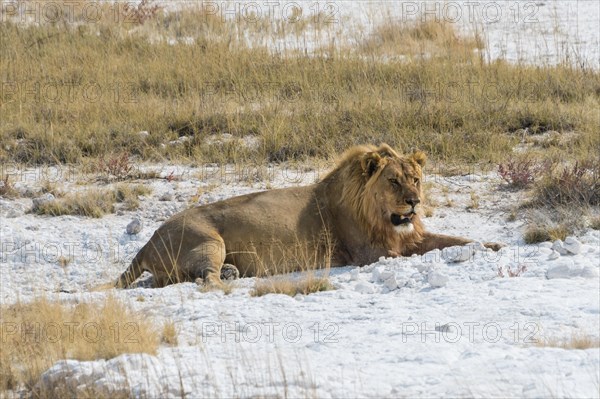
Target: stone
(562,268)
(458,254)
(437,279)
(553,255)
(134,227)
(42,200)
(572,245)
(166,197)
(589,272)
(558,247)
(364,288)
(391,283)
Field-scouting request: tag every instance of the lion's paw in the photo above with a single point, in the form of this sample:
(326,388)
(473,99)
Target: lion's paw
(229,272)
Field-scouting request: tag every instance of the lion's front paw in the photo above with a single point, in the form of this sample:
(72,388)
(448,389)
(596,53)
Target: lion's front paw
(392,254)
(494,245)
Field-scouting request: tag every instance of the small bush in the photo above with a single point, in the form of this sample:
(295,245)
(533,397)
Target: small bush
(595,223)
(578,184)
(519,174)
(537,234)
(290,286)
(510,272)
(94,203)
(7,190)
(116,167)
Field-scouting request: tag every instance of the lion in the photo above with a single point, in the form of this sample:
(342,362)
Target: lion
(365,208)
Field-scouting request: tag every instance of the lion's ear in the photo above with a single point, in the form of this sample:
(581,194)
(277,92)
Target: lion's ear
(419,157)
(370,162)
(386,151)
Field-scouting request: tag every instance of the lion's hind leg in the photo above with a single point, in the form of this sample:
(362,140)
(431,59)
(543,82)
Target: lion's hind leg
(206,262)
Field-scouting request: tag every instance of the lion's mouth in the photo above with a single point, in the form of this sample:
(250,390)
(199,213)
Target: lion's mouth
(398,220)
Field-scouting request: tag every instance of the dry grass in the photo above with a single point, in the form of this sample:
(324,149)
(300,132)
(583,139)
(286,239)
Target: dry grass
(7,189)
(169,334)
(536,233)
(95,202)
(571,185)
(595,223)
(291,286)
(575,341)
(418,39)
(37,334)
(208,81)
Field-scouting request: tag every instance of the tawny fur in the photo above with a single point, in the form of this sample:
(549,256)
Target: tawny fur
(343,220)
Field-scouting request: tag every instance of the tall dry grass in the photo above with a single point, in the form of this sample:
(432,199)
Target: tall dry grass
(37,334)
(190,74)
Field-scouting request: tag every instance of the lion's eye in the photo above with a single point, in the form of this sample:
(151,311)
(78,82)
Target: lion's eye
(417,180)
(394,183)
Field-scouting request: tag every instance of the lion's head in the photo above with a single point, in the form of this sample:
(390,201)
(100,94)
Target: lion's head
(383,190)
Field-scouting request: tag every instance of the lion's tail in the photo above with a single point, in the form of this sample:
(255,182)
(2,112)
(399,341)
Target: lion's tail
(132,273)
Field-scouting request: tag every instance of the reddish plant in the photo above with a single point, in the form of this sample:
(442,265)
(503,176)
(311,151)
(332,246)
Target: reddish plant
(119,166)
(510,272)
(141,12)
(520,174)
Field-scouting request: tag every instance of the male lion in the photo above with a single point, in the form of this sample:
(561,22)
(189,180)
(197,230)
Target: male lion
(364,209)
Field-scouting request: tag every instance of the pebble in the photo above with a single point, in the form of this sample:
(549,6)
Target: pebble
(437,279)
(134,227)
(563,268)
(364,288)
(589,272)
(458,254)
(166,197)
(391,283)
(545,244)
(42,200)
(558,247)
(553,255)
(572,245)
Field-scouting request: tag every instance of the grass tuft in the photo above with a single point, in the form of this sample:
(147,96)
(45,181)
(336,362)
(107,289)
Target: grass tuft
(537,233)
(95,202)
(291,286)
(576,341)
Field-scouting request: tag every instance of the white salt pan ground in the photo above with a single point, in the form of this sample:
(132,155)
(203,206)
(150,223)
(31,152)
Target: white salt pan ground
(445,324)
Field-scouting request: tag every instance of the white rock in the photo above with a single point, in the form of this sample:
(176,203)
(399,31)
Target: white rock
(143,134)
(354,274)
(553,255)
(437,279)
(563,268)
(166,197)
(411,283)
(589,272)
(558,247)
(376,274)
(364,288)
(386,274)
(572,245)
(458,253)
(134,227)
(545,244)
(391,283)
(42,200)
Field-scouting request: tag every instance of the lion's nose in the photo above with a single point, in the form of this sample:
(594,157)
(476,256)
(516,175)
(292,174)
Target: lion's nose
(413,201)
